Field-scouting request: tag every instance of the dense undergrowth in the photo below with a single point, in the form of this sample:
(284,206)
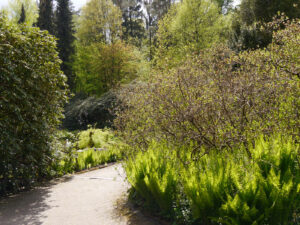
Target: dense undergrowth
(206,143)
(221,187)
(87,149)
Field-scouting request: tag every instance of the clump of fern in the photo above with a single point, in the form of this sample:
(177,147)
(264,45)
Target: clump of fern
(222,187)
(153,176)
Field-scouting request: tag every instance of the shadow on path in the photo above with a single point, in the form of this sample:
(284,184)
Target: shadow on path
(27,206)
(134,215)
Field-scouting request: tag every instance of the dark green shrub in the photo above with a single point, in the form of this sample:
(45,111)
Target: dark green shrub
(83,111)
(32,94)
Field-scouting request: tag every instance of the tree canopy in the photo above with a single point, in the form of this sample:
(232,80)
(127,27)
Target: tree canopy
(14,10)
(189,27)
(100,21)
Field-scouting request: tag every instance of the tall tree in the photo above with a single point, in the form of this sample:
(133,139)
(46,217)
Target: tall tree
(45,19)
(133,23)
(102,60)
(100,21)
(188,28)
(225,5)
(252,14)
(263,11)
(23,15)
(14,10)
(153,12)
(65,34)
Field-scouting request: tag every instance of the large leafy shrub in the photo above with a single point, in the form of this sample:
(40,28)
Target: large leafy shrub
(219,99)
(32,92)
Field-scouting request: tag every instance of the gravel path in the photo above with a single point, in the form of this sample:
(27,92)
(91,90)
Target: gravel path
(92,198)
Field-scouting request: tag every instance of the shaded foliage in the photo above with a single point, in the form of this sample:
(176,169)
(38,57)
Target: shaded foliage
(46,17)
(23,15)
(33,92)
(82,111)
(252,15)
(65,34)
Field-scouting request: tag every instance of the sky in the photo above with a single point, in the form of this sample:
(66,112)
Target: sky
(77,3)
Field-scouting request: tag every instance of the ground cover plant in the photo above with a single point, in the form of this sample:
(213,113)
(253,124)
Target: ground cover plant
(215,121)
(84,150)
(221,188)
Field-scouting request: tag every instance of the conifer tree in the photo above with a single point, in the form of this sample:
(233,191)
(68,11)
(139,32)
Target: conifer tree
(65,34)
(45,20)
(15,8)
(23,15)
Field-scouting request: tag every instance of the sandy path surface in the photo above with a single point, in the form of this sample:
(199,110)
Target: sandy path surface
(92,198)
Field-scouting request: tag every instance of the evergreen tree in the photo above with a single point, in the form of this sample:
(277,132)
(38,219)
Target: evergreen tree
(133,24)
(15,8)
(23,15)
(65,34)
(45,19)
(252,14)
(263,11)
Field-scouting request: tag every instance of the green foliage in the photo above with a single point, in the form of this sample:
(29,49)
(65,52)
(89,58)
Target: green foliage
(222,187)
(30,9)
(100,67)
(188,28)
(100,21)
(82,151)
(218,99)
(64,153)
(102,60)
(33,92)
(101,138)
(91,158)
(153,176)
